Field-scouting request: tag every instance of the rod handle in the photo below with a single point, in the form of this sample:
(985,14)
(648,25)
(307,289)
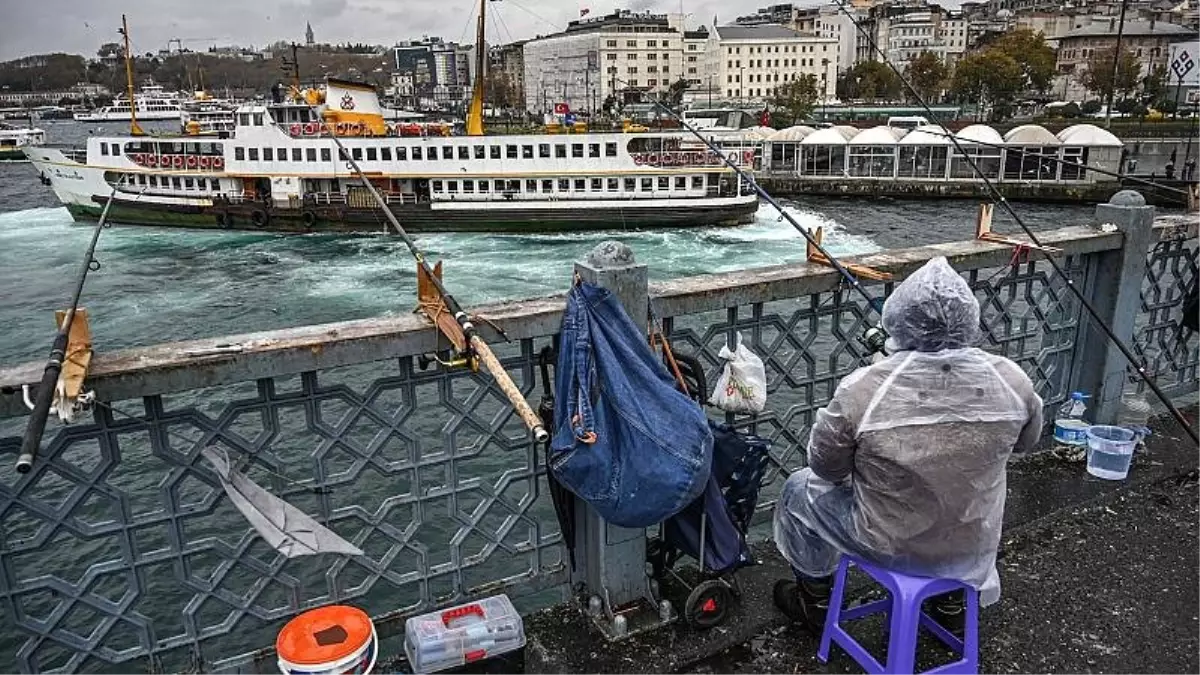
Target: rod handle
(41,405)
(524,411)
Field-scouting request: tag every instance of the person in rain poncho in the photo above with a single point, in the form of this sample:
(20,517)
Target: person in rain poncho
(906,465)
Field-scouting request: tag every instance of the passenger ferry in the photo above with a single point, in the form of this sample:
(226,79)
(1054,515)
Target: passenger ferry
(14,140)
(152,103)
(280,169)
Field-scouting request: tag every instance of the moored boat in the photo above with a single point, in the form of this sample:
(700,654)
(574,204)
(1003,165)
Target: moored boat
(14,140)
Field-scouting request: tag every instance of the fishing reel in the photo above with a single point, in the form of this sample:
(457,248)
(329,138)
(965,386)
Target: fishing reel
(450,358)
(874,340)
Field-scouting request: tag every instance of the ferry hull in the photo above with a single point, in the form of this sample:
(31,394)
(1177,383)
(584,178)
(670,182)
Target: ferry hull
(417,218)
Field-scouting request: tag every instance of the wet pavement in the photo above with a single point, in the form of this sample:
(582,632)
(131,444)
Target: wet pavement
(1098,576)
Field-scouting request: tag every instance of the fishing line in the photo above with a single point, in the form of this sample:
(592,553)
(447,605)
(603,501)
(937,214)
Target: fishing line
(36,427)
(998,198)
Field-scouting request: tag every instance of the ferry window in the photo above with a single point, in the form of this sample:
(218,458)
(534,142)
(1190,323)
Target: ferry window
(253,154)
(297,154)
(560,150)
(544,150)
(356,153)
(468,186)
(580,185)
(510,151)
(401,153)
(647,184)
(596,185)
(281,153)
(484,185)
(385,154)
(630,184)
(436,185)
(372,155)
(432,154)
(494,151)
(452,185)
(697,182)
(681,182)
(153,181)
(188,184)
(664,183)
(547,184)
(593,149)
(244,119)
(480,153)
(175,182)
(116,149)
(526,152)
(514,186)
(104,148)
(215,185)
(610,149)
(464,152)
(577,149)
(416,153)
(612,185)
(530,186)
(326,156)
(268,154)
(258,119)
(499,185)
(564,185)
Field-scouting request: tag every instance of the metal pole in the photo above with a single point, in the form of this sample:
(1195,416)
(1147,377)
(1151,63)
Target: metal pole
(1112,85)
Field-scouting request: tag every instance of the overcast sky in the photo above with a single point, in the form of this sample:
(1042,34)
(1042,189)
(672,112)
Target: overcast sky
(81,26)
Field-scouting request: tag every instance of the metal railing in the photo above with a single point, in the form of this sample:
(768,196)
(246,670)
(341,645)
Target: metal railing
(119,551)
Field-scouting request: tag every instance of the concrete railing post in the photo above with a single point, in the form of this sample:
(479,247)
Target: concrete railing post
(611,560)
(1113,284)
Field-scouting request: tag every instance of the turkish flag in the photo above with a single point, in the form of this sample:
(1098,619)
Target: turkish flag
(561,108)
(584,11)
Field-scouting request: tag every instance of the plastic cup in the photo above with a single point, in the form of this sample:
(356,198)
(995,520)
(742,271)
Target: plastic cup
(1110,450)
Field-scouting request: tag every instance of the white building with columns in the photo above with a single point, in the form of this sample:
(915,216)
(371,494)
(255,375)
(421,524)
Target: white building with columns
(752,60)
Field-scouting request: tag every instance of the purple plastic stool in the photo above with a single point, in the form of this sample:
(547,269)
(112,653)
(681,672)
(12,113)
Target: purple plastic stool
(904,607)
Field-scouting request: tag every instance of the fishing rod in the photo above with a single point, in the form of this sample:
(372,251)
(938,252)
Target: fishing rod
(474,344)
(38,414)
(1059,160)
(874,337)
(998,198)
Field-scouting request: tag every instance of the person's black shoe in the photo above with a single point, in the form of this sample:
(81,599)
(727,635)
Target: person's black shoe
(805,603)
(949,611)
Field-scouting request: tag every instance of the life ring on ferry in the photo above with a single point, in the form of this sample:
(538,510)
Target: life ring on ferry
(309,219)
(218,163)
(310,129)
(204,162)
(294,130)
(177,161)
(260,218)
(192,161)
(152,161)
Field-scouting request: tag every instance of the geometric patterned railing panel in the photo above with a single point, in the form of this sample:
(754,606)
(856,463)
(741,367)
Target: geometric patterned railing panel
(120,551)
(1171,353)
(809,344)
(123,553)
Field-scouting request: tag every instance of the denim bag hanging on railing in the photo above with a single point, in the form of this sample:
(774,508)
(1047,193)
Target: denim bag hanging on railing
(626,440)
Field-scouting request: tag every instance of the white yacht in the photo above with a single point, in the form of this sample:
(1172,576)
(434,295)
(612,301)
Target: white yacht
(152,103)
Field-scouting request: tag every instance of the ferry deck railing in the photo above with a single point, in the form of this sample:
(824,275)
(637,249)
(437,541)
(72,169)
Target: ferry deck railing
(119,551)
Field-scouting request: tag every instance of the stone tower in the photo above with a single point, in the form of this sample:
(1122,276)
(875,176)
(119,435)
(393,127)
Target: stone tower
(308,35)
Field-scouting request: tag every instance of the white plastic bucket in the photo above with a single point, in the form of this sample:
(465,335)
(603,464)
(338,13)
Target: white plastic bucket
(332,640)
(1110,451)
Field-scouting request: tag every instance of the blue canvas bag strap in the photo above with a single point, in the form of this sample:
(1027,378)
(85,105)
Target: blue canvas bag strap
(579,405)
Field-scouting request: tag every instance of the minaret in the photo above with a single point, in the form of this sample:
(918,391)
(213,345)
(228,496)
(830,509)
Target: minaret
(308,35)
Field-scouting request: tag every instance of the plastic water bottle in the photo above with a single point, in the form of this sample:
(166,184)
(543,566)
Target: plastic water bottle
(1069,427)
(1134,414)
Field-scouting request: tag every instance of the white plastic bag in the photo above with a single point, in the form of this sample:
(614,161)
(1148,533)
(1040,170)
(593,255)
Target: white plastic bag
(742,386)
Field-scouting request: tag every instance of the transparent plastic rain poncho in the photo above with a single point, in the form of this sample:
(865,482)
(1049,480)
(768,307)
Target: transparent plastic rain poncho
(907,462)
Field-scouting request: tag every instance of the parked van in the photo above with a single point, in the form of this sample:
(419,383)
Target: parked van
(910,122)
